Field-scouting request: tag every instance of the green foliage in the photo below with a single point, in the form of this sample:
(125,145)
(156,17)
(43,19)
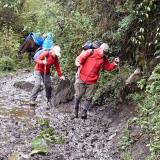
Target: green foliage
(111,82)
(23,62)
(141,83)
(10,14)
(148,109)
(126,156)
(37,144)
(7,64)
(125,139)
(146,35)
(135,97)
(46,138)
(153,86)
(9,44)
(157,47)
(43,123)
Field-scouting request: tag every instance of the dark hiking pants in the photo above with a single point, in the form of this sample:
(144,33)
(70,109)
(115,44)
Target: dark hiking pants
(47,82)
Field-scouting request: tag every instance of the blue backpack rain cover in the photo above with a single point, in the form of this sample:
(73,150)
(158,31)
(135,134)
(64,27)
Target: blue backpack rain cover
(38,39)
(48,42)
(39,53)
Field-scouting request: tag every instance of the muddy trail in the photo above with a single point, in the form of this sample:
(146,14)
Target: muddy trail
(91,139)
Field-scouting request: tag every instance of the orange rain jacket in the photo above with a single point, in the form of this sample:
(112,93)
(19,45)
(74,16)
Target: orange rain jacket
(50,61)
(90,65)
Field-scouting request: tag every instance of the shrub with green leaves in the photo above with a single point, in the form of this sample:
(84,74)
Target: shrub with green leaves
(148,108)
(9,43)
(7,64)
(111,82)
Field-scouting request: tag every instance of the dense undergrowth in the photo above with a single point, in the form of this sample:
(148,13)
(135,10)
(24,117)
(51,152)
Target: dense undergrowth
(148,118)
(132,30)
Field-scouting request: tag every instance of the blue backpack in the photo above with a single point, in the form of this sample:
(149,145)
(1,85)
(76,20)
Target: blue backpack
(38,40)
(39,53)
(48,42)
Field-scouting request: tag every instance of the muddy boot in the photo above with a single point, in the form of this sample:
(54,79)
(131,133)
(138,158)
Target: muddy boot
(86,107)
(75,115)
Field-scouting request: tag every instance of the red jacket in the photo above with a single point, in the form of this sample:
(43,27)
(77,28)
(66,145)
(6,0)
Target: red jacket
(50,61)
(89,71)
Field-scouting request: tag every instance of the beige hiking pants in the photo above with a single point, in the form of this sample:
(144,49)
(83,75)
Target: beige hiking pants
(83,88)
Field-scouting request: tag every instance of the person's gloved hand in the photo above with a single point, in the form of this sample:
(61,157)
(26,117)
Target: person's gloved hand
(62,77)
(77,63)
(116,60)
(44,61)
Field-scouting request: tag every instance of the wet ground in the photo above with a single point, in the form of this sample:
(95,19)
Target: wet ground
(91,139)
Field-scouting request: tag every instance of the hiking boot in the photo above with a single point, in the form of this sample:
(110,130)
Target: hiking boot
(76,103)
(84,115)
(86,107)
(73,116)
(32,103)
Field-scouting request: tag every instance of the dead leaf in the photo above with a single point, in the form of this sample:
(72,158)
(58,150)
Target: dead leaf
(111,137)
(37,151)
(24,155)
(139,136)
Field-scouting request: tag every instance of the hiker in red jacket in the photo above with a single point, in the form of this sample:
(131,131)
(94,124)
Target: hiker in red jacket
(88,74)
(42,69)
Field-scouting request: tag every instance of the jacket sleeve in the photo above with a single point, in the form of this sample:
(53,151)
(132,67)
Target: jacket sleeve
(41,57)
(83,56)
(56,64)
(109,66)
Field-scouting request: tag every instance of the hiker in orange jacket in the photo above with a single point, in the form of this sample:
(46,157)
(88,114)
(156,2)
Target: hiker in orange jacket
(88,74)
(42,69)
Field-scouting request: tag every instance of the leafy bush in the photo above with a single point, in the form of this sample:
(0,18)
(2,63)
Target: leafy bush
(148,109)
(111,82)
(9,43)
(7,64)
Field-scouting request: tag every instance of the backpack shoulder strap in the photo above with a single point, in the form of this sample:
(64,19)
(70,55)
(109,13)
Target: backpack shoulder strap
(47,54)
(91,53)
(104,59)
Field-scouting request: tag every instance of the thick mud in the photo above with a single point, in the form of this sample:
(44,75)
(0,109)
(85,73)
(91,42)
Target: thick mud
(91,139)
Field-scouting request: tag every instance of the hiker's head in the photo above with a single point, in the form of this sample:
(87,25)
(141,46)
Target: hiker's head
(105,48)
(56,50)
(95,45)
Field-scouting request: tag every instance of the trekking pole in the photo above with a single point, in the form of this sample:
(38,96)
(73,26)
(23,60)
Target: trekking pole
(119,71)
(45,75)
(120,75)
(44,71)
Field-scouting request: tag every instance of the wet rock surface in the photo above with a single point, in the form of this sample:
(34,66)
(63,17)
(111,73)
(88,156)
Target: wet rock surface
(62,92)
(91,139)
